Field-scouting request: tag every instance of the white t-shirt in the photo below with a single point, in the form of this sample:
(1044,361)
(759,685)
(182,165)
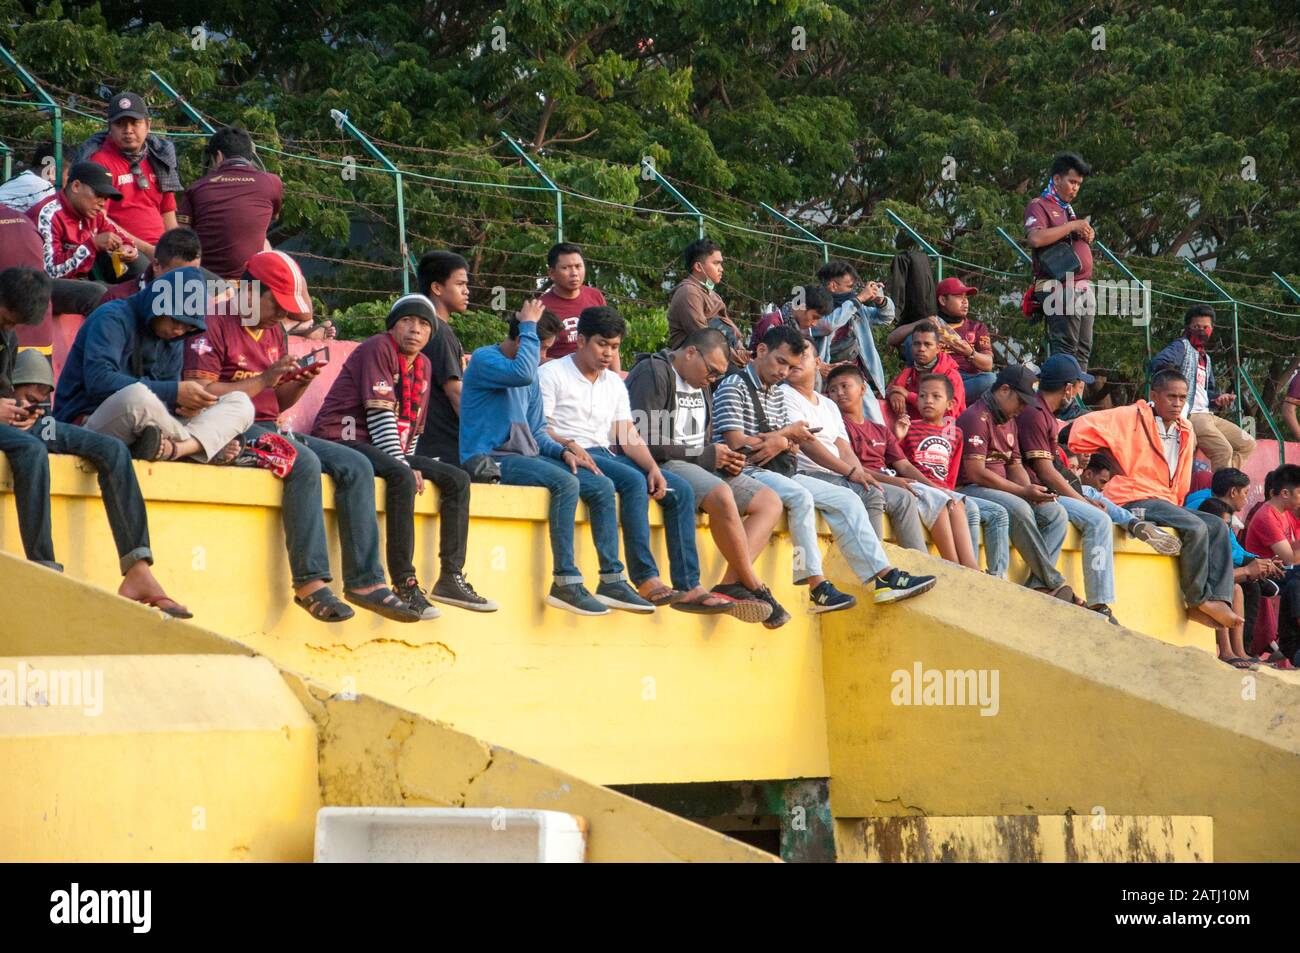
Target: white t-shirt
(818,412)
(578,409)
(24,190)
(688,418)
(1201,402)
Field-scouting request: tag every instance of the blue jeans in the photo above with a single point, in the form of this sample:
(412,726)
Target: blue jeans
(28,452)
(304,518)
(1098,549)
(801,517)
(634,515)
(566,489)
(977,384)
(990,524)
(1118,515)
(1037,531)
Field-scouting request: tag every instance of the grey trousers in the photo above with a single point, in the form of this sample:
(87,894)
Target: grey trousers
(133,408)
(1205,563)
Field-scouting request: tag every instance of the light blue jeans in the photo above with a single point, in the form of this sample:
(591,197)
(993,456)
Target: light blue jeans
(990,524)
(1038,531)
(1118,515)
(1098,549)
(804,497)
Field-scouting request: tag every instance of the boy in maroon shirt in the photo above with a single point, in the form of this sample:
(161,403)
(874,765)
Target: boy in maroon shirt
(568,296)
(909,495)
(378,406)
(233,205)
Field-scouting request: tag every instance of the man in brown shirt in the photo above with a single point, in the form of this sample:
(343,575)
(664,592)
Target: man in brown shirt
(696,305)
(991,470)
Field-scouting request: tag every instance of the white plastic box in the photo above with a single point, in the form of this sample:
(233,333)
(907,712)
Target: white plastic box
(448,835)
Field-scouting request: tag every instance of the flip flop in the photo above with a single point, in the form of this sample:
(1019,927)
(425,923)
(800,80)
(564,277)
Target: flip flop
(1239,663)
(228,454)
(173,609)
(147,444)
(711,603)
(383,601)
(1065,594)
(663,596)
(324,605)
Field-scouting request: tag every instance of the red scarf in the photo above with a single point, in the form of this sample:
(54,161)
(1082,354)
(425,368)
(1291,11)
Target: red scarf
(410,391)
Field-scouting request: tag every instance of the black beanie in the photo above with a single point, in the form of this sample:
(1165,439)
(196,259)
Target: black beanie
(412,305)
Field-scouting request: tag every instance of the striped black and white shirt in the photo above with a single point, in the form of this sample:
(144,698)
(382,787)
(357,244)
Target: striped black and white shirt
(733,407)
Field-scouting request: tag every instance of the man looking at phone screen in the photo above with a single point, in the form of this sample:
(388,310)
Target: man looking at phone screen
(248,351)
(122,376)
(991,470)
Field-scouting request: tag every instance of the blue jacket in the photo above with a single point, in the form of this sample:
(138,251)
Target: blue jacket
(501,404)
(116,346)
(1181,356)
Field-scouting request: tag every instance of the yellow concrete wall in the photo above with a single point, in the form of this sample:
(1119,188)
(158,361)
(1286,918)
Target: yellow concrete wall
(652,705)
(616,699)
(201,751)
(1090,717)
(1025,838)
(192,757)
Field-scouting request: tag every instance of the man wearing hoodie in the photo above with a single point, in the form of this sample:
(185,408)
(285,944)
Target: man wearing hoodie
(1226,444)
(671,405)
(1153,445)
(927,359)
(122,376)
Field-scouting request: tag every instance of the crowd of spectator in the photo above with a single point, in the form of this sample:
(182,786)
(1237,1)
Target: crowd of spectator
(791,416)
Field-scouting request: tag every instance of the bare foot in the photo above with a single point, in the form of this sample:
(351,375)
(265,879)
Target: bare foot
(140,585)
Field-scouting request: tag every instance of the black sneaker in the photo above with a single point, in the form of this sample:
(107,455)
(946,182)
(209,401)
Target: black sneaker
(411,593)
(779,616)
(620,595)
(896,585)
(826,598)
(576,599)
(453,589)
(747,605)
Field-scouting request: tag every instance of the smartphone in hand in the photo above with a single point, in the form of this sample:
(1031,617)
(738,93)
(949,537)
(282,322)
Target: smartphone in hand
(319,356)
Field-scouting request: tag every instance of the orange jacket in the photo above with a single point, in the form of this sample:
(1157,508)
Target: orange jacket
(1129,436)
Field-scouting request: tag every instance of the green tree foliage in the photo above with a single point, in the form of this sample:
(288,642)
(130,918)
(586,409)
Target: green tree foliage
(832,112)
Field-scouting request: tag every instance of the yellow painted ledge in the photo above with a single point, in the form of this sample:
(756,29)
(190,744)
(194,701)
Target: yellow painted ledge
(1088,718)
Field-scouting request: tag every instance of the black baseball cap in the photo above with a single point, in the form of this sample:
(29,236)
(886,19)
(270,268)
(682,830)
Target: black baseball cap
(127,104)
(96,176)
(1020,379)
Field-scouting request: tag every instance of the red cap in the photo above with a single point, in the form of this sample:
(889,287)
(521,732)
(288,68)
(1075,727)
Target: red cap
(953,286)
(282,275)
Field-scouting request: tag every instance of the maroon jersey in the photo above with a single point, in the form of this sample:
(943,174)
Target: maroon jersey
(974,333)
(1046,213)
(873,443)
(229,351)
(231,208)
(369,379)
(568,310)
(935,450)
(986,439)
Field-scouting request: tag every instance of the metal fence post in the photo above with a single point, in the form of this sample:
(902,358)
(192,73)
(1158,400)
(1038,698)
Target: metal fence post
(9,160)
(916,237)
(341,120)
(47,104)
(1287,285)
(191,113)
(1024,255)
(826,254)
(1146,297)
(537,170)
(682,200)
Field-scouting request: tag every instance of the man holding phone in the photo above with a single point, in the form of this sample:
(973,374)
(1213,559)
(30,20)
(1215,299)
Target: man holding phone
(248,352)
(991,470)
(122,377)
(1067,301)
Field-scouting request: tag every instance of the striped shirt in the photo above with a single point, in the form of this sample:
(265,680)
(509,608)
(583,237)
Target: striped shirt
(733,408)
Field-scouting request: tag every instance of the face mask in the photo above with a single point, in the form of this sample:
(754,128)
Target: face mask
(1200,336)
(708,284)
